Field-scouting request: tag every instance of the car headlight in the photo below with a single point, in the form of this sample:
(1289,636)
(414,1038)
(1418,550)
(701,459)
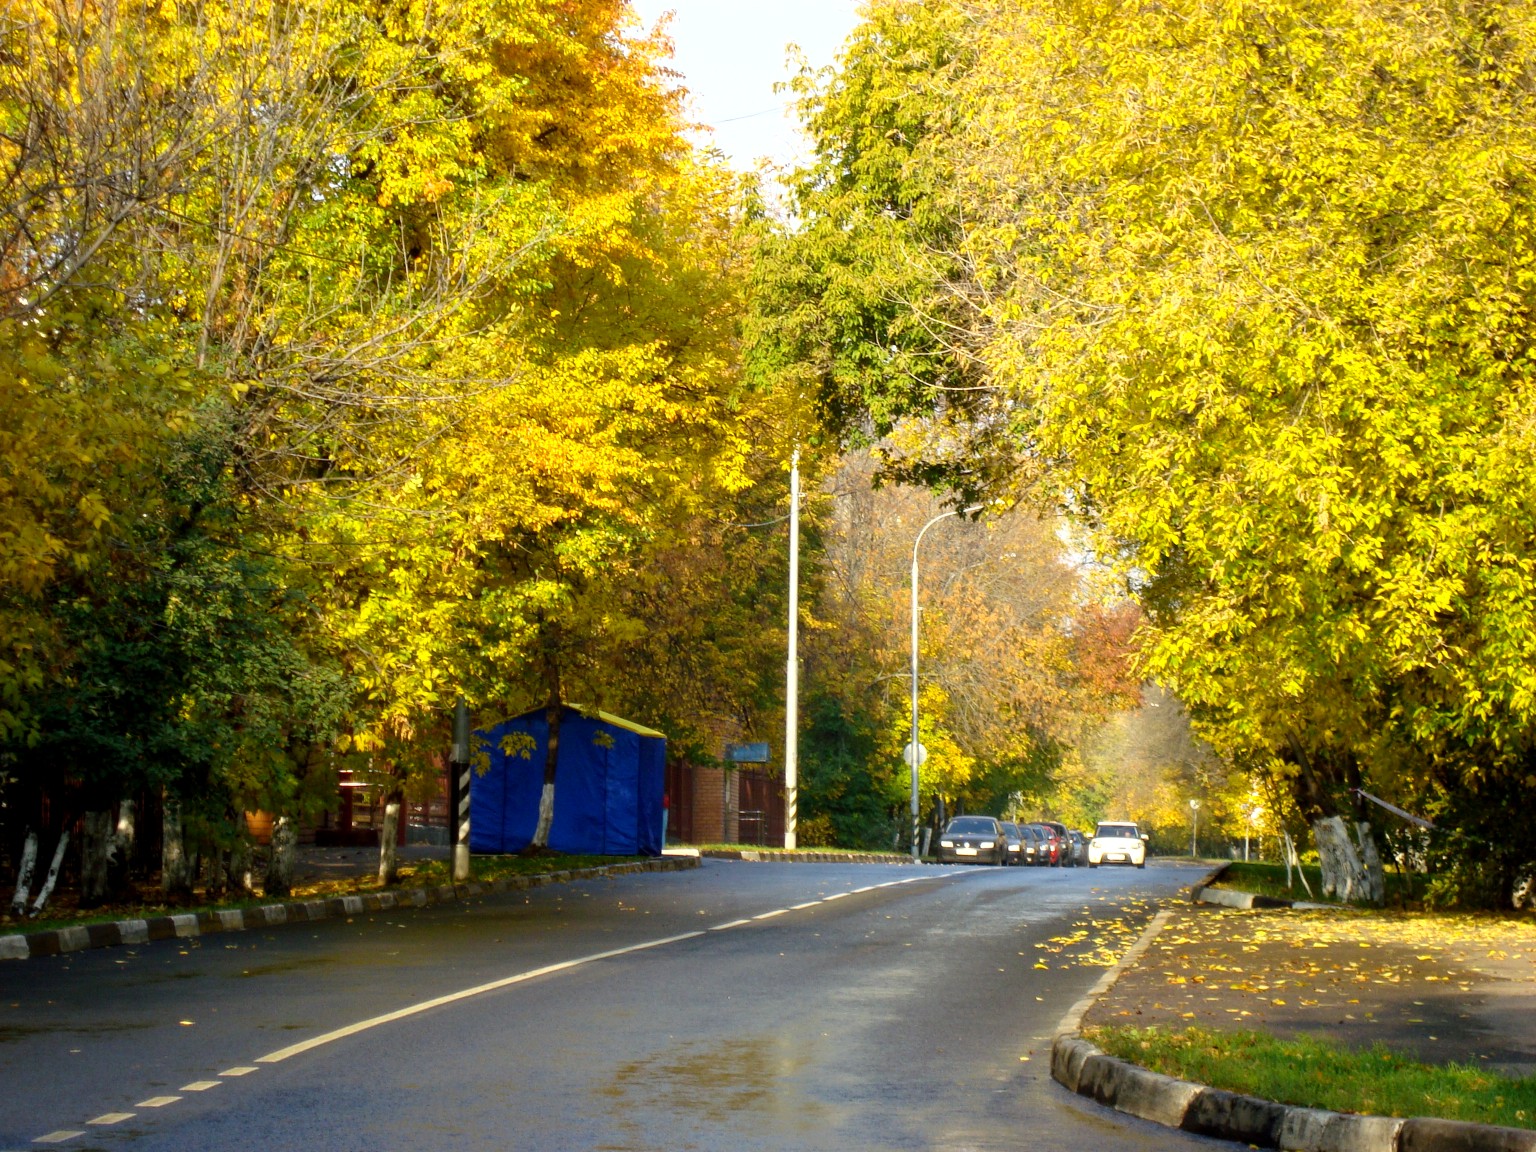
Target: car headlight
(946,843)
(987,844)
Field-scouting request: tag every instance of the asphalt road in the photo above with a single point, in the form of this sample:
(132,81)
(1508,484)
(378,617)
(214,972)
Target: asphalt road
(739,1006)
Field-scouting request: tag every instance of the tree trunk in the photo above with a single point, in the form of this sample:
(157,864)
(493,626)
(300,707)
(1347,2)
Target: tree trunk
(53,875)
(97,842)
(24,874)
(389,863)
(1350,873)
(175,870)
(238,878)
(120,866)
(547,796)
(285,843)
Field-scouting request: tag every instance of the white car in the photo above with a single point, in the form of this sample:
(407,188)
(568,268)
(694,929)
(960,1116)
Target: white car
(1117,843)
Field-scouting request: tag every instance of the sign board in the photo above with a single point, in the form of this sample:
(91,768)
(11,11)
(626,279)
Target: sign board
(922,755)
(746,753)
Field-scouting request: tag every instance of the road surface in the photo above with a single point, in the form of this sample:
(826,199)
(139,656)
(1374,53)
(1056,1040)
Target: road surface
(739,1006)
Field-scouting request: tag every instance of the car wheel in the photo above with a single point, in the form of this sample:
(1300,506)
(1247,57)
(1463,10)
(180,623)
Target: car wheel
(1143,864)
(1091,864)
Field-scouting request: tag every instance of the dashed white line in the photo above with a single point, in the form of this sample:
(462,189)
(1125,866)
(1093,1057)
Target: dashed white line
(111,1118)
(243,1070)
(157,1101)
(59,1137)
(201,1085)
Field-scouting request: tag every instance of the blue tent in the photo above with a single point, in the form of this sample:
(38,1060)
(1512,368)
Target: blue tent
(609,778)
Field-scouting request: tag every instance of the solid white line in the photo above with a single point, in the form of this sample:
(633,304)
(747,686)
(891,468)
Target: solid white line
(838,895)
(866,888)
(807,904)
(770,915)
(455,997)
(729,924)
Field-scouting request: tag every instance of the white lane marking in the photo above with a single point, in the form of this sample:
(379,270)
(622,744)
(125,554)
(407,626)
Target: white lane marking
(243,1070)
(454,997)
(112,1118)
(807,904)
(729,924)
(59,1137)
(157,1101)
(770,915)
(838,895)
(201,1085)
(866,888)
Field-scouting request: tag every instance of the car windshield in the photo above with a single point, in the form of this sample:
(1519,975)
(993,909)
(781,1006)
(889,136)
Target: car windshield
(971,824)
(1122,831)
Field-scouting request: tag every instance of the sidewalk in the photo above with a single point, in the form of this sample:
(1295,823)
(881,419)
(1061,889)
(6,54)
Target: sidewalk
(1442,990)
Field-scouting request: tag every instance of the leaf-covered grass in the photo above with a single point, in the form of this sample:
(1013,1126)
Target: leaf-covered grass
(1268,879)
(415,874)
(1315,1073)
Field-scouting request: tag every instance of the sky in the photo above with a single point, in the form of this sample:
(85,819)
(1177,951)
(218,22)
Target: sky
(731,53)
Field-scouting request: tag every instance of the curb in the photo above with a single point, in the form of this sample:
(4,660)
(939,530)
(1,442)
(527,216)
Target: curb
(1081,1067)
(22,946)
(804,857)
(1202,893)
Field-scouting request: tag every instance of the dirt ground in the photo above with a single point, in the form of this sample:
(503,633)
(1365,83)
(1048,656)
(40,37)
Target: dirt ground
(1441,988)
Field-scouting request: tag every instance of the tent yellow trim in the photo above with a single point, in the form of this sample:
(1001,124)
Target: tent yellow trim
(617,721)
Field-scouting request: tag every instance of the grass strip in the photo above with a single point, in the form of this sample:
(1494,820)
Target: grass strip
(1317,1073)
(1269,880)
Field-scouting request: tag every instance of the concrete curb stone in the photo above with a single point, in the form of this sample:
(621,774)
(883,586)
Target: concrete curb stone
(804,856)
(1081,1067)
(55,942)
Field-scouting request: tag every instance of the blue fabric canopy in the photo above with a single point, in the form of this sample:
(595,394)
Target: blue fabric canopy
(609,778)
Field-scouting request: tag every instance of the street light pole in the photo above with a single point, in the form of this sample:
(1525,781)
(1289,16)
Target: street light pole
(916,746)
(792,674)
(1194,826)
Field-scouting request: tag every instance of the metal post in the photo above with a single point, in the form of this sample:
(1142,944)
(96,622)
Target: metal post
(792,675)
(458,818)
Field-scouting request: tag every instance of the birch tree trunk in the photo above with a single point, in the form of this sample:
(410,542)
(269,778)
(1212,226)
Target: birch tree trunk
(97,841)
(24,874)
(53,875)
(1348,869)
(285,844)
(175,870)
(389,863)
(547,796)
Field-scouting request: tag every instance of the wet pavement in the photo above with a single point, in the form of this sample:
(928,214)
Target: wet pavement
(743,1006)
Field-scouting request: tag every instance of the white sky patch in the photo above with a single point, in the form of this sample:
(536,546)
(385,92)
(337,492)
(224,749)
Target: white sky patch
(732,52)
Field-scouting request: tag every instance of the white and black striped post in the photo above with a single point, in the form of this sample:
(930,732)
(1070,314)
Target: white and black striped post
(458,793)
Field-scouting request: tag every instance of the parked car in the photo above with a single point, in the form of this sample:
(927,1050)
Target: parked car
(1015,838)
(1064,855)
(1031,841)
(1050,846)
(973,840)
(1117,842)
(1079,845)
